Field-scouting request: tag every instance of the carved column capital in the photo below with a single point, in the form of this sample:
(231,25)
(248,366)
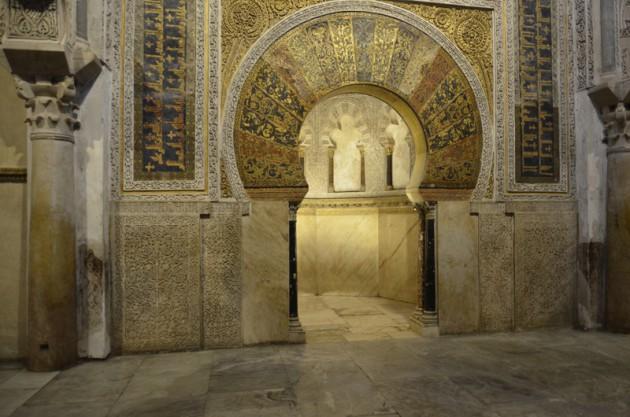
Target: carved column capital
(617,128)
(613,104)
(51,111)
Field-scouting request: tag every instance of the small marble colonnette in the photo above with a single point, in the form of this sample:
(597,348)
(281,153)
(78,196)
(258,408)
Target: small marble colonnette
(542,374)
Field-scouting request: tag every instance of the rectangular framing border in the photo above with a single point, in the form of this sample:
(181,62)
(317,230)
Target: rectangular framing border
(121,37)
(509,188)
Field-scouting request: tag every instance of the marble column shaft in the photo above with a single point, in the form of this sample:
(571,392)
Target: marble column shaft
(618,215)
(52,327)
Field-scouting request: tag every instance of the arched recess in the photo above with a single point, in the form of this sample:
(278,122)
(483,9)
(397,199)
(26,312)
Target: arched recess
(339,45)
(410,118)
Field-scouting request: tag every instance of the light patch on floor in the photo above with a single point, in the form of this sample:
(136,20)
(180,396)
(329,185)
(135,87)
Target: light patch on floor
(330,318)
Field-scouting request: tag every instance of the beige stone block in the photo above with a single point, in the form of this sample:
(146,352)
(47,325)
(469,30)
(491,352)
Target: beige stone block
(496,271)
(399,254)
(13,283)
(545,266)
(265,273)
(457,261)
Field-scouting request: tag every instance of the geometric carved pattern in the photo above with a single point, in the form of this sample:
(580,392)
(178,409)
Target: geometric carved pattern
(537,135)
(157,291)
(584,43)
(545,267)
(221,276)
(496,266)
(177,282)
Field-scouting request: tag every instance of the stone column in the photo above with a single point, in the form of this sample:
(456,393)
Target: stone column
(416,317)
(388,145)
(425,319)
(296,333)
(429,290)
(616,118)
(52,325)
(331,169)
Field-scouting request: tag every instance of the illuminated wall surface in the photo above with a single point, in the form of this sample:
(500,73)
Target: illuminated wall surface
(347,126)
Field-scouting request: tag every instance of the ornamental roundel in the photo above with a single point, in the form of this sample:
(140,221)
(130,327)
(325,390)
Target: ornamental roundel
(280,7)
(443,19)
(248,17)
(472,36)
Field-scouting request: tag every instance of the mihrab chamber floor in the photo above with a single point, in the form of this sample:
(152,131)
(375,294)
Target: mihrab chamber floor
(539,374)
(330,318)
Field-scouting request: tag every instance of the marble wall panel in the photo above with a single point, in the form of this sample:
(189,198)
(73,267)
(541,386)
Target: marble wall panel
(545,263)
(221,276)
(457,269)
(496,271)
(398,254)
(13,289)
(265,272)
(347,257)
(157,277)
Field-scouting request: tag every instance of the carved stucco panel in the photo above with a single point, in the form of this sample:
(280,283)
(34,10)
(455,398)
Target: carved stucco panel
(157,278)
(222,285)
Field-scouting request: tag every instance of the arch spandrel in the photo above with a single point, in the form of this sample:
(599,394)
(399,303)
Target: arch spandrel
(348,48)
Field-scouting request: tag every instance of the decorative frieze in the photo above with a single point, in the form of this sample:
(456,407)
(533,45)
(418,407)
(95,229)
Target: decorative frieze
(537,135)
(584,43)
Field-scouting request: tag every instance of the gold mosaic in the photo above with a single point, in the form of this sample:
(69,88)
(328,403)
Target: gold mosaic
(343,49)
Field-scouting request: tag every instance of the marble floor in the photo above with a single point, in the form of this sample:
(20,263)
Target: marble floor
(537,374)
(330,318)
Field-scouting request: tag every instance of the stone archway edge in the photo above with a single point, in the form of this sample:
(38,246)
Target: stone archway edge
(339,6)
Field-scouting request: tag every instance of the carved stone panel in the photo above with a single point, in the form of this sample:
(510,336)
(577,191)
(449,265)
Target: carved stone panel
(222,286)
(545,265)
(157,277)
(496,271)
(31,19)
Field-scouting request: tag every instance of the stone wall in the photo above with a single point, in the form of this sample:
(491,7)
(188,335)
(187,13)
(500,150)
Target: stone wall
(177,283)
(505,267)
(265,273)
(358,251)
(13,221)
(13,289)
(457,268)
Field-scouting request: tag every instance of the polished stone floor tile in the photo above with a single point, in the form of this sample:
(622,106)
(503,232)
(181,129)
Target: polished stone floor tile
(334,318)
(559,373)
